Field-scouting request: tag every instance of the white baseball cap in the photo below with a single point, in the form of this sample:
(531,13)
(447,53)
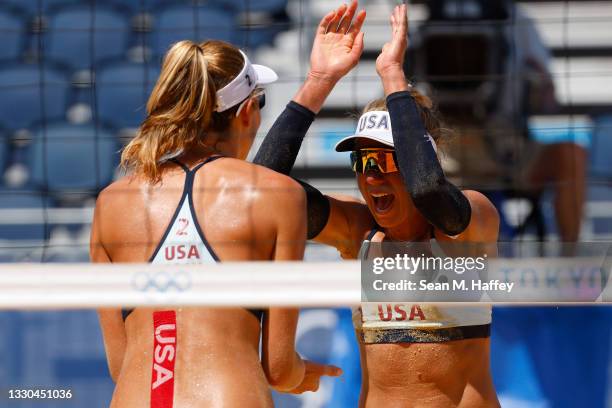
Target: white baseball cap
(241,87)
(375,126)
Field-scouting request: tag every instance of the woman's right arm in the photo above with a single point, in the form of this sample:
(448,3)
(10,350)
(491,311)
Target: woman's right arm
(111,323)
(337,47)
(287,212)
(336,50)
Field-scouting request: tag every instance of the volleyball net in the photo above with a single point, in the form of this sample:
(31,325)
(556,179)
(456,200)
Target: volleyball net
(75,76)
(512,274)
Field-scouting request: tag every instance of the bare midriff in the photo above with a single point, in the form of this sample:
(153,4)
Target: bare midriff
(431,375)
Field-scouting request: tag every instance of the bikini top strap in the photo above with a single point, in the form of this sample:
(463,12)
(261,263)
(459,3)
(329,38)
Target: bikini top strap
(190,173)
(365,245)
(371,234)
(183,166)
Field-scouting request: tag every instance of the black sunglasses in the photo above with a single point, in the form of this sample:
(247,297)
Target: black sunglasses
(262,100)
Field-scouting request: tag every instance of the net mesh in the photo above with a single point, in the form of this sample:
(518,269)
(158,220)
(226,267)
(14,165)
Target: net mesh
(75,76)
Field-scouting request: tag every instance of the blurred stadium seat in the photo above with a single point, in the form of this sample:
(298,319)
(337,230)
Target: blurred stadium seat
(79,40)
(31,93)
(197,23)
(31,206)
(60,148)
(601,146)
(259,21)
(12,35)
(137,6)
(256,31)
(36,7)
(122,91)
(4,151)
(257,6)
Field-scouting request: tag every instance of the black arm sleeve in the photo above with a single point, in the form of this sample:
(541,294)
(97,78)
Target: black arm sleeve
(317,208)
(279,151)
(440,202)
(284,139)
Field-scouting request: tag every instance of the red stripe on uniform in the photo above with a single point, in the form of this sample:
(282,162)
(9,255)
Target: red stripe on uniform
(164,353)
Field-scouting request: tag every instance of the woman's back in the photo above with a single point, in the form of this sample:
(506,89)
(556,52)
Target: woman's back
(236,206)
(233,203)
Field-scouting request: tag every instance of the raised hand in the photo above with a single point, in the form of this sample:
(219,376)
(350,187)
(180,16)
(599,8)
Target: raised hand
(312,376)
(390,62)
(338,43)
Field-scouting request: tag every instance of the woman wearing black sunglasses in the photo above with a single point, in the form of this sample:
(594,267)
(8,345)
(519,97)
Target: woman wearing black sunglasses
(439,356)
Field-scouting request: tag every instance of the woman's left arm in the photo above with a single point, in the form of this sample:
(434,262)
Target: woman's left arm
(438,200)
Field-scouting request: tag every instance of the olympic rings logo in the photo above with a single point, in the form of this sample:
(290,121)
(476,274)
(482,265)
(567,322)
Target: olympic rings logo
(162,281)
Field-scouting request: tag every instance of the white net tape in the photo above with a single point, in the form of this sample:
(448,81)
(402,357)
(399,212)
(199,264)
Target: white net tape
(261,284)
(223,284)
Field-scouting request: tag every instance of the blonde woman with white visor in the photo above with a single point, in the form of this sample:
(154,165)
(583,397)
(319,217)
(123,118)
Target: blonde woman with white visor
(190,197)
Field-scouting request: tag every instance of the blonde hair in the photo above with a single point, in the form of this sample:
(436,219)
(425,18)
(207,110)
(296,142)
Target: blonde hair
(181,107)
(429,115)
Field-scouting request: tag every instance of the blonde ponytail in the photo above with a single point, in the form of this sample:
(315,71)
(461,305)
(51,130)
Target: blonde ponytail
(181,107)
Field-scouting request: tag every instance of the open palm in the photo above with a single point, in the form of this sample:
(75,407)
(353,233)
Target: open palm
(338,43)
(392,56)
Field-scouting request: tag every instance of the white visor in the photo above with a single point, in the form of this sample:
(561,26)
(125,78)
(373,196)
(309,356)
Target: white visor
(241,87)
(374,126)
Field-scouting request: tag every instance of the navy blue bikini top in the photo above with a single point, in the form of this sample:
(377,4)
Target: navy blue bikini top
(183,241)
